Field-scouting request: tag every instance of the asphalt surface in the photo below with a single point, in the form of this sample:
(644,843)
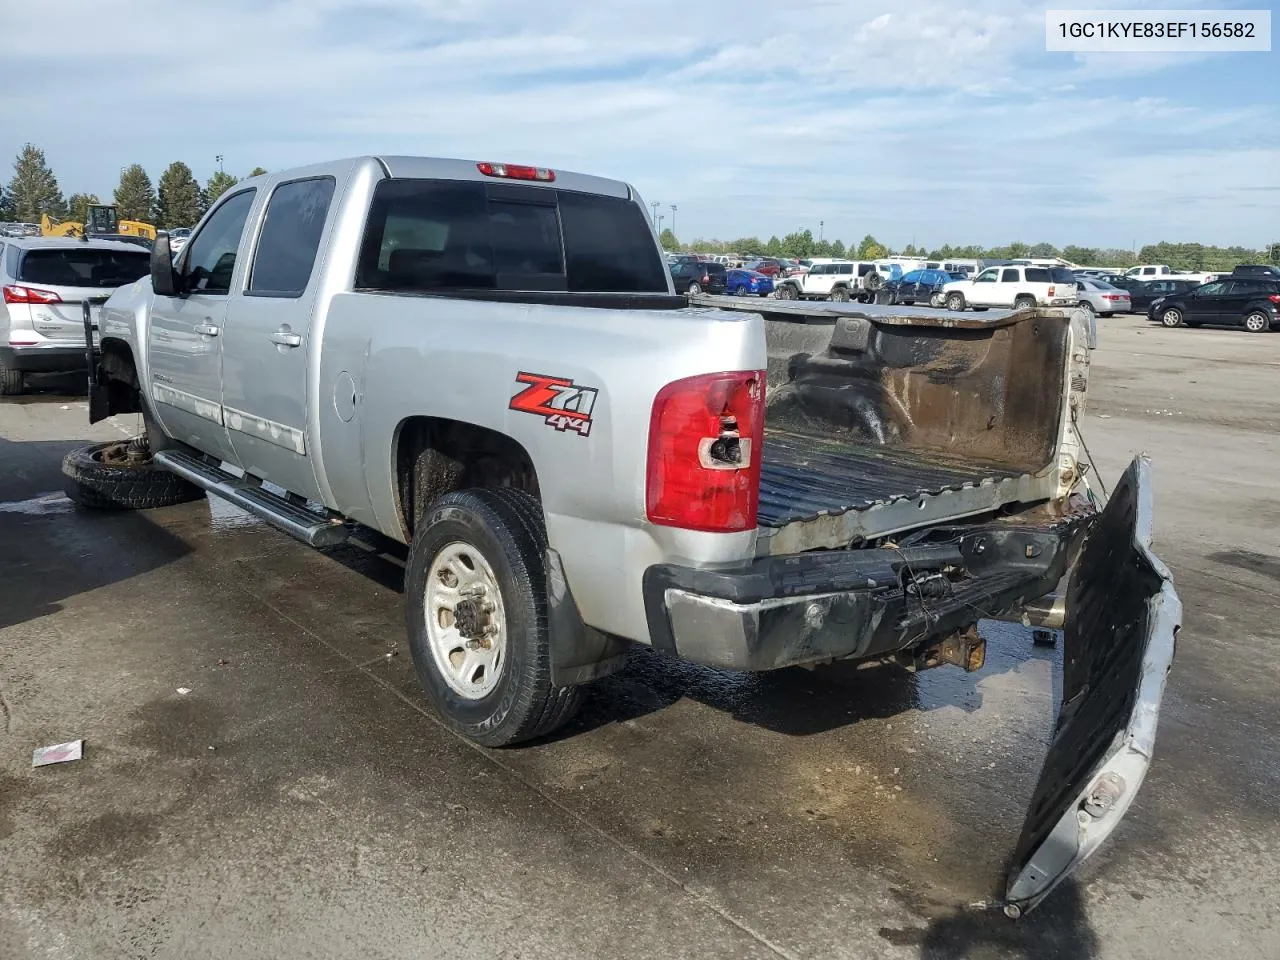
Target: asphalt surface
(300,800)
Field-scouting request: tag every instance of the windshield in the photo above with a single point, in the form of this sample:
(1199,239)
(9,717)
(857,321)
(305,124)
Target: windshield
(84,267)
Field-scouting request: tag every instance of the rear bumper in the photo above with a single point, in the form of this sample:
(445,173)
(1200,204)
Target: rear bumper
(55,356)
(781,611)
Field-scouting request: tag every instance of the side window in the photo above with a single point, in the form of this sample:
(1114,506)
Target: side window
(865,268)
(290,237)
(988,276)
(1009,275)
(1041,275)
(1214,289)
(844,269)
(210,256)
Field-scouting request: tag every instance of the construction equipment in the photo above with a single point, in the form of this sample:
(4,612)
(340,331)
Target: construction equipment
(103,220)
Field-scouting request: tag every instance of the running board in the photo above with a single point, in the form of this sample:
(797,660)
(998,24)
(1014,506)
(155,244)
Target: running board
(287,517)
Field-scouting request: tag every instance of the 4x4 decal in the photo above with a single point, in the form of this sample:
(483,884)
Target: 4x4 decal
(562,403)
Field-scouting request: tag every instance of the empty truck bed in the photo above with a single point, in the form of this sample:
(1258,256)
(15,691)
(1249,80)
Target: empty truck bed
(817,492)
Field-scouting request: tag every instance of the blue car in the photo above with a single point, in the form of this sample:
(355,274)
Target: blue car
(748,283)
(924,286)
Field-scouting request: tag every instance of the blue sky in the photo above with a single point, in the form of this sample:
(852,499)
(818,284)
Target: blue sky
(938,121)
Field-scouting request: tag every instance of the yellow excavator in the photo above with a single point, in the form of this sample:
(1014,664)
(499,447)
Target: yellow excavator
(103,221)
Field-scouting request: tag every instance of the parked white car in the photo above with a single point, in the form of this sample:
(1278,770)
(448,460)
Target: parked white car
(1018,287)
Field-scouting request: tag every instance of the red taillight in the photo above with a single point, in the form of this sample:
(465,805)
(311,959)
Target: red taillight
(17,294)
(514,171)
(1274,298)
(1051,291)
(1115,296)
(706,278)
(704,452)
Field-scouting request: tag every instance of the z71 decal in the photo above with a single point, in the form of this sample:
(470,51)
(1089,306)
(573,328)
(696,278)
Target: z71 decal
(562,403)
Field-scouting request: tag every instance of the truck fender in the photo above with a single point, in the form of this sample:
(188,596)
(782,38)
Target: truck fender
(578,653)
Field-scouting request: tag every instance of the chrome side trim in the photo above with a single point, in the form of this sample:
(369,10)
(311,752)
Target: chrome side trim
(282,435)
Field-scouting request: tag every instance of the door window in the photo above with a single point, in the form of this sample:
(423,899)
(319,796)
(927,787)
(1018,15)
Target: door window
(1213,289)
(209,258)
(290,237)
(1009,275)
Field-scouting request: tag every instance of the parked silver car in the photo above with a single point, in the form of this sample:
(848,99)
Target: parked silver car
(1101,298)
(45,281)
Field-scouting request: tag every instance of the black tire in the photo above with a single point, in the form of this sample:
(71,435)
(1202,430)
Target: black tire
(955,301)
(840,294)
(694,288)
(1257,321)
(874,281)
(1172,317)
(787,292)
(11,381)
(1088,307)
(885,297)
(1024,303)
(100,478)
(937,301)
(505,527)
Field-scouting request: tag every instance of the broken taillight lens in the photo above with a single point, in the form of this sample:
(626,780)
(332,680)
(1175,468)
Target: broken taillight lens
(705,435)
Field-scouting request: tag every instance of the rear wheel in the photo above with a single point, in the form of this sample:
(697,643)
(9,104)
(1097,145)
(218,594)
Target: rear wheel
(694,288)
(1257,322)
(840,294)
(1024,303)
(885,297)
(11,381)
(476,612)
(955,301)
(1088,307)
(937,301)
(1172,317)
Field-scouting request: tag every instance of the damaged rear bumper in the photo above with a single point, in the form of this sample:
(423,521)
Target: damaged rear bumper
(822,605)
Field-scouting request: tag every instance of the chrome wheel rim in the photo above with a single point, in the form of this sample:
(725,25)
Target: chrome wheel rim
(1255,323)
(1172,318)
(465,621)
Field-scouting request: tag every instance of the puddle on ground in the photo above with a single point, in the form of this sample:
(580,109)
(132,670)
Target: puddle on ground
(43,505)
(224,515)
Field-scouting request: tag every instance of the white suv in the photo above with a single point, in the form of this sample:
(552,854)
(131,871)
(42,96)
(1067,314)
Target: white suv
(44,282)
(839,280)
(1019,287)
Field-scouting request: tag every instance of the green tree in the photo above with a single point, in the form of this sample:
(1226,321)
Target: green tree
(78,206)
(135,196)
(871,249)
(34,189)
(667,240)
(257,172)
(798,244)
(1043,250)
(7,213)
(773,248)
(745,246)
(837,248)
(218,184)
(179,203)
(1084,256)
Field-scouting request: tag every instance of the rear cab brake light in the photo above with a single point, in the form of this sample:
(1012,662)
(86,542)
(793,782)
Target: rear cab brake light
(705,438)
(20,294)
(514,171)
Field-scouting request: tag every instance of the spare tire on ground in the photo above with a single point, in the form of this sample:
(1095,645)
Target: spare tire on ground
(120,475)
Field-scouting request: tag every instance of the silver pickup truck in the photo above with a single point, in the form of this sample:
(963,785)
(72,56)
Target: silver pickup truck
(486,361)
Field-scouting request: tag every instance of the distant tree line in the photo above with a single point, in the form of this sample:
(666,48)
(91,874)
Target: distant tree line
(178,201)
(801,244)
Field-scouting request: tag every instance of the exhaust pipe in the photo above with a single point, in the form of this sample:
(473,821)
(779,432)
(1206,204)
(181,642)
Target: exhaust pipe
(1047,613)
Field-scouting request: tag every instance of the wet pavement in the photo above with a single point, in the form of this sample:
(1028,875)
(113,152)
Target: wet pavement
(300,800)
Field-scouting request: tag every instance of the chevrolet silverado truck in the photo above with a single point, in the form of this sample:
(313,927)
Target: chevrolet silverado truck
(487,362)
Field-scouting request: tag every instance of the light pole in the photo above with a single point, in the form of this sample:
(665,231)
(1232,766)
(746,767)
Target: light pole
(660,219)
(673,218)
(654,205)
(219,159)
(821,226)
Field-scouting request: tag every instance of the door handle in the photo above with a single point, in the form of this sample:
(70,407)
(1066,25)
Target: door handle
(206,329)
(284,337)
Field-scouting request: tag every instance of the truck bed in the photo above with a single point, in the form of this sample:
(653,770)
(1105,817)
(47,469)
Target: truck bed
(803,477)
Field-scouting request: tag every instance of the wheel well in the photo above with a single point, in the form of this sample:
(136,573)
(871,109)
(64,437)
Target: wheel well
(435,456)
(116,369)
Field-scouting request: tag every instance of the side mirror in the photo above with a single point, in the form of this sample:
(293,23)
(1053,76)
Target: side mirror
(164,279)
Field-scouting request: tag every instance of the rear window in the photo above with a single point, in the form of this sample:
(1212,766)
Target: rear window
(715,269)
(84,267)
(1061,275)
(451,235)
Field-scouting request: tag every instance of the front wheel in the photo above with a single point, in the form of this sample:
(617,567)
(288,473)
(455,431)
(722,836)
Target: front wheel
(840,294)
(694,289)
(1257,322)
(937,301)
(955,301)
(1089,308)
(477,619)
(786,292)
(1172,317)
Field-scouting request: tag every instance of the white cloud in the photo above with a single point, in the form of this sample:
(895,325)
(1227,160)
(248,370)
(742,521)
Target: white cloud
(938,122)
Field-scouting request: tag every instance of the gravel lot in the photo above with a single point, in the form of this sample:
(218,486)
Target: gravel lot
(301,801)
